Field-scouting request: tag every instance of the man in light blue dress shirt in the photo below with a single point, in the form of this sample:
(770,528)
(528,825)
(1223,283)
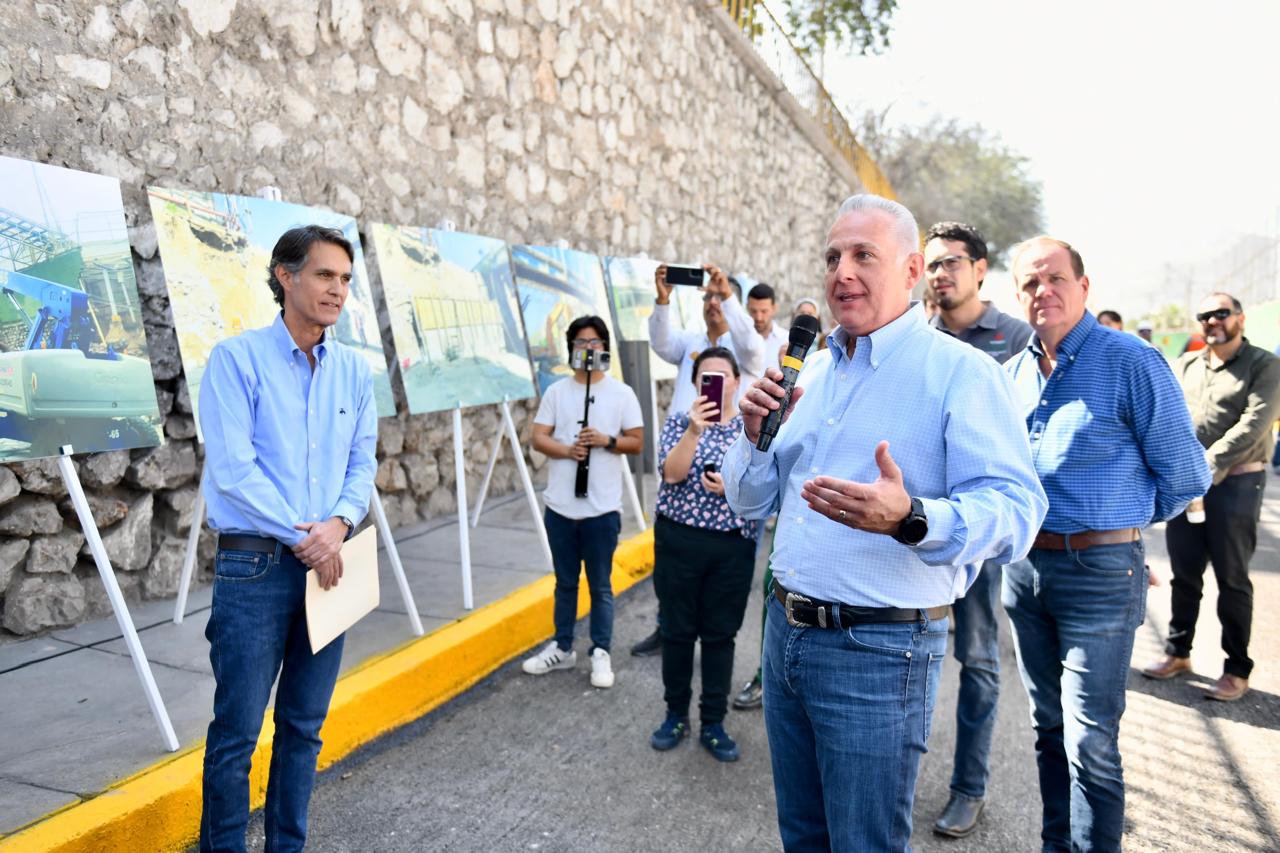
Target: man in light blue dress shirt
(289,427)
(869,555)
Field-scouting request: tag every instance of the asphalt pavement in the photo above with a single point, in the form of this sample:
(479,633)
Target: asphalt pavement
(551,764)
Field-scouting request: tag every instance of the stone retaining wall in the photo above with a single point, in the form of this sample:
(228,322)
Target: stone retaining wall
(621,126)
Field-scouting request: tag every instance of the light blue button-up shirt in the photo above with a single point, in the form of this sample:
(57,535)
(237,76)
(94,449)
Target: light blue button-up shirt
(948,413)
(284,445)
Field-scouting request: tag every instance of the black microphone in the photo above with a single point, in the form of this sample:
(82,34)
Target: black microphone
(803,331)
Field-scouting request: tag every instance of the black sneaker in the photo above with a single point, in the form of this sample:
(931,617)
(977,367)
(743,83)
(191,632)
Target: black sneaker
(718,743)
(751,696)
(670,733)
(649,646)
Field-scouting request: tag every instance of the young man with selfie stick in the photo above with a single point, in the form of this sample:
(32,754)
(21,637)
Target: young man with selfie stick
(584,424)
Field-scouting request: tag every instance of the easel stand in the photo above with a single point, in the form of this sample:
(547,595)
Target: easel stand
(379,520)
(140,664)
(509,432)
(464,533)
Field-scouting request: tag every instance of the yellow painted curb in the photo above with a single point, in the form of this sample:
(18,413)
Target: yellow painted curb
(159,808)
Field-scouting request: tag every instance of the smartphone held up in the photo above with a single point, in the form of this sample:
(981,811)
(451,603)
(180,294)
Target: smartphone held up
(688,276)
(711,386)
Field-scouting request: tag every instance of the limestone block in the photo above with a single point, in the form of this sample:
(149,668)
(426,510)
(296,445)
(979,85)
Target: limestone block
(100,28)
(444,90)
(181,502)
(165,467)
(508,39)
(92,72)
(390,437)
(54,554)
(492,79)
(343,74)
(484,36)
(136,16)
(29,514)
(390,476)
(396,50)
(12,551)
(566,56)
(96,603)
(208,16)
(161,579)
(180,426)
(423,473)
(347,18)
(162,348)
(34,603)
(10,488)
(105,509)
(415,118)
(128,543)
(182,397)
(99,470)
(470,163)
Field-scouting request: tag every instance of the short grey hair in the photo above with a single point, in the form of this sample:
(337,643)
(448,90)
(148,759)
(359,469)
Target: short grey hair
(904,223)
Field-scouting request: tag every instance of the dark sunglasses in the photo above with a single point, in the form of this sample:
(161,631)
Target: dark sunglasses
(1219,314)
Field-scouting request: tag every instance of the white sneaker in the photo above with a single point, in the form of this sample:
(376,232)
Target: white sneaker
(550,658)
(601,669)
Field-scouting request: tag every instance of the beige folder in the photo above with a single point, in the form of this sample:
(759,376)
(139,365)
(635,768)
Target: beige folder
(332,611)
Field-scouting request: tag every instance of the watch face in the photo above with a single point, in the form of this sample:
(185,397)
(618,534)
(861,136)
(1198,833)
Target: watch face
(914,529)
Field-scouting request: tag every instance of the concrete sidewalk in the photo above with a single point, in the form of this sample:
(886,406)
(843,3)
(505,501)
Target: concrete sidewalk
(76,719)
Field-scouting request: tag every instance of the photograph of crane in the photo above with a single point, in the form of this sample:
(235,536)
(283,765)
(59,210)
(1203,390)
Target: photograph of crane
(555,286)
(73,353)
(454,315)
(215,249)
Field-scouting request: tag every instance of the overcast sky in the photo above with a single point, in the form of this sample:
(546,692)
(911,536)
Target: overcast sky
(1152,126)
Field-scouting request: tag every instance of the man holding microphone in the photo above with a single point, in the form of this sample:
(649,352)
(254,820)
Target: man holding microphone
(869,556)
(289,428)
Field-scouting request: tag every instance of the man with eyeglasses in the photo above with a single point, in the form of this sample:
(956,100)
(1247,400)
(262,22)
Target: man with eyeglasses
(955,267)
(1233,392)
(584,530)
(1115,450)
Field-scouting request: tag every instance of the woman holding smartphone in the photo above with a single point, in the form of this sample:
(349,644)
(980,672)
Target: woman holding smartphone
(704,556)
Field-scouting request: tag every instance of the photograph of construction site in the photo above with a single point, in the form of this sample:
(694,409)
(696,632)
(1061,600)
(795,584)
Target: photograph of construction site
(215,249)
(632,293)
(556,285)
(73,353)
(454,317)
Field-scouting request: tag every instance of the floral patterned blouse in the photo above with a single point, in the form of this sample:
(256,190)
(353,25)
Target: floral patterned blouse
(687,502)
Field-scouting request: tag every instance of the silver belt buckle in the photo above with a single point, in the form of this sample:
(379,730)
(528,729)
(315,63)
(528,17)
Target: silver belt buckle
(792,599)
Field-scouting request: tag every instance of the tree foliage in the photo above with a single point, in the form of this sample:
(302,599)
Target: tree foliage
(945,170)
(861,25)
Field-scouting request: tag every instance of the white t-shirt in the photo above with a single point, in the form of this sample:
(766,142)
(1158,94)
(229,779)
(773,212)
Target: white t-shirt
(614,409)
(777,338)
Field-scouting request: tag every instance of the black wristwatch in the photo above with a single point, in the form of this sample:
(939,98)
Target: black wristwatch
(613,443)
(913,528)
(351,527)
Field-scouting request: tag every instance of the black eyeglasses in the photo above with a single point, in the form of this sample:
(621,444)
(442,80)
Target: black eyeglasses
(1219,314)
(950,263)
(588,343)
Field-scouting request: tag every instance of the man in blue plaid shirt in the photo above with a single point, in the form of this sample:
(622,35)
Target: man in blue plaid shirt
(1113,445)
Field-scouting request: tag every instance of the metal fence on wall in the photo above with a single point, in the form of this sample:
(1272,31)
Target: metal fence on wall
(781,56)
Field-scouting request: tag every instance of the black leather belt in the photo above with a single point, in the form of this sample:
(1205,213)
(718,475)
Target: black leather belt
(247,542)
(804,612)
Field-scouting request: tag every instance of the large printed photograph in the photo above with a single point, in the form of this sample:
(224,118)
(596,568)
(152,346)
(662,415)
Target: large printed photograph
(555,287)
(632,292)
(455,317)
(74,368)
(215,250)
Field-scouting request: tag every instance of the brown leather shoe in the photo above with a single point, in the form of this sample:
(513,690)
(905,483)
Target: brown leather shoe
(1167,667)
(1228,688)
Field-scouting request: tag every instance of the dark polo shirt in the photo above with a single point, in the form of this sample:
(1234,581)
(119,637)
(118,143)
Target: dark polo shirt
(997,334)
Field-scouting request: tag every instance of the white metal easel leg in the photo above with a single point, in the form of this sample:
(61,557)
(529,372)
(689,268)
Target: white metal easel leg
(140,664)
(189,559)
(494,453)
(397,567)
(464,532)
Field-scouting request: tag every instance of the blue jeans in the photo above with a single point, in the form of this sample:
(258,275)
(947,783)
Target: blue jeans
(977,650)
(1074,615)
(574,542)
(848,713)
(258,624)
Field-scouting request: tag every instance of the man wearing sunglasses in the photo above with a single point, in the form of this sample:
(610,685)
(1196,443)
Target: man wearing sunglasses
(1115,450)
(1233,391)
(955,265)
